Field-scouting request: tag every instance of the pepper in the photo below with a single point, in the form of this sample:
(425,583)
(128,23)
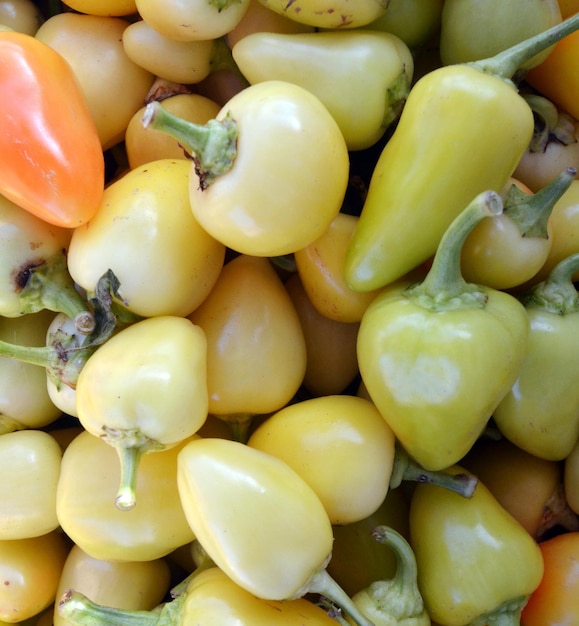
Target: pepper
(463,129)
(540,413)
(144,390)
(210,599)
(476,564)
(329,13)
(52,163)
(259,521)
(437,357)
(362,77)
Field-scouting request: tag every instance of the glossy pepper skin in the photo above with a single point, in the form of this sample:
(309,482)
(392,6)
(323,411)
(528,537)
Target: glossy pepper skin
(540,413)
(464,128)
(437,357)
(476,564)
(52,162)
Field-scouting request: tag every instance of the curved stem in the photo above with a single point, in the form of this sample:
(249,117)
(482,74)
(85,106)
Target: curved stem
(325,585)
(557,294)
(213,145)
(444,286)
(130,444)
(405,468)
(78,610)
(49,286)
(506,63)
(530,212)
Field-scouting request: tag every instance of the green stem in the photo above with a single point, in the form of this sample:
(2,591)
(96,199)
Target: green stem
(49,286)
(397,599)
(78,610)
(405,468)
(557,294)
(131,445)
(506,63)
(213,145)
(444,287)
(239,425)
(530,212)
(550,124)
(325,585)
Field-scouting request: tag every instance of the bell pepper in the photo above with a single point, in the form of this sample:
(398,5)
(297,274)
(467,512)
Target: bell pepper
(540,413)
(259,521)
(554,602)
(241,188)
(249,312)
(529,488)
(52,162)
(87,514)
(508,250)
(129,585)
(144,390)
(476,564)
(437,357)
(362,77)
(463,130)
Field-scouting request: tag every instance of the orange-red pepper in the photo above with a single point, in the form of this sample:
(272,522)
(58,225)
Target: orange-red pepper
(51,160)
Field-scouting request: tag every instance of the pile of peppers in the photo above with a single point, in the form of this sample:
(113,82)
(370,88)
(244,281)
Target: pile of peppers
(289,312)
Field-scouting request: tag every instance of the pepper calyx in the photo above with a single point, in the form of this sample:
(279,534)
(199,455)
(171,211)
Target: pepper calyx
(506,614)
(213,146)
(557,294)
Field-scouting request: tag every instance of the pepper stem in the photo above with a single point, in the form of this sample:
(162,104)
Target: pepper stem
(49,286)
(213,145)
(239,425)
(396,599)
(530,212)
(506,63)
(78,610)
(557,294)
(131,445)
(405,468)
(444,287)
(322,583)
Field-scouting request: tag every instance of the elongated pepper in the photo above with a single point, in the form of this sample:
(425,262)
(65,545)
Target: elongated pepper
(463,130)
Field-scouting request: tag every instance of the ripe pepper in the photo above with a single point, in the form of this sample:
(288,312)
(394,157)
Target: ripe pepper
(540,413)
(259,521)
(438,356)
(362,77)
(476,564)
(144,390)
(555,602)
(329,13)
(52,162)
(463,129)
(556,77)
(210,599)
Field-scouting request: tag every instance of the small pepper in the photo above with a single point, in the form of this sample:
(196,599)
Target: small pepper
(438,356)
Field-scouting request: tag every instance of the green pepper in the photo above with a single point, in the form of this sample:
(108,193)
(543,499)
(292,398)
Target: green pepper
(362,77)
(477,566)
(463,130)
(540,414)
(438,356)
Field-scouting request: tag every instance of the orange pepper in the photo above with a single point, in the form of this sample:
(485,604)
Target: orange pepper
(557,78)
(51,162)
